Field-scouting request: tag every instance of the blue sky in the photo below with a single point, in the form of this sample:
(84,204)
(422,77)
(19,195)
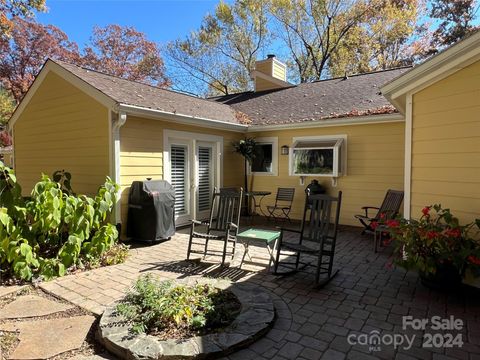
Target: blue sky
(161,20)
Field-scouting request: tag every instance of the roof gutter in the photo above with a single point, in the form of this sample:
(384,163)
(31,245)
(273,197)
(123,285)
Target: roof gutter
(180,118)
(358,120)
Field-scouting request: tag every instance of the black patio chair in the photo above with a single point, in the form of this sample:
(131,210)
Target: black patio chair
(317,238)
(283,204)
(222,225)
(388,210)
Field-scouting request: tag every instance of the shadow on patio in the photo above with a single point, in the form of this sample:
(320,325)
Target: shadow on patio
(365,297)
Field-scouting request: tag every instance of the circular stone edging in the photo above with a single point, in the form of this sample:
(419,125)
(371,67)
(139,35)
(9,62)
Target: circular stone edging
(256,317)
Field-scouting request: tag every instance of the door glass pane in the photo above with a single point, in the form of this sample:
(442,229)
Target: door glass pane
(204,178)
(179,177)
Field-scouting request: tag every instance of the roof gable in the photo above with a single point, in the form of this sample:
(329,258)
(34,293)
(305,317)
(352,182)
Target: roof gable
(438,67)
(113,92)
(146,96)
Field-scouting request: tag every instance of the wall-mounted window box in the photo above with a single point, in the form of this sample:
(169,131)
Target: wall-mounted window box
(318,156)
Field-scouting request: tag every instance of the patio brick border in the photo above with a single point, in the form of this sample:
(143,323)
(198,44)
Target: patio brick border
(256,317)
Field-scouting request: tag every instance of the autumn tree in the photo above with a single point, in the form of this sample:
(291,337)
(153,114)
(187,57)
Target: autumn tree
(456,21)
(127,53)
(313,30)
(22,56)
(386,38)
(10,9)
(221,54)
(7,106)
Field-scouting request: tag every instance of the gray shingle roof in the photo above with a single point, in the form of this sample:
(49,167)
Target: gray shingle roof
(151,97)
(335,98)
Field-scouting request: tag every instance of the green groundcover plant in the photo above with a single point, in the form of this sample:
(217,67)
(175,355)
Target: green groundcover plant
(435,240)
(153,306)
(53,230)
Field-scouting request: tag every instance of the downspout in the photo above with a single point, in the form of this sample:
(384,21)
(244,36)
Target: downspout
(407,200)
(117,123)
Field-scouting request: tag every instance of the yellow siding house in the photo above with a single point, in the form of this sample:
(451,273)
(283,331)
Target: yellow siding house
(441,102)
(415,129)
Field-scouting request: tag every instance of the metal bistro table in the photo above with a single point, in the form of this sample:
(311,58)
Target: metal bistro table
(266,236)
(257,205)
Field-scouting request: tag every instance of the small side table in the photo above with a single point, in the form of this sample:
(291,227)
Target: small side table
(266,236)
(257,205)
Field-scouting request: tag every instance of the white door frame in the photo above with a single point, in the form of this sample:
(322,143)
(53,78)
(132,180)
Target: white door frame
(169,137)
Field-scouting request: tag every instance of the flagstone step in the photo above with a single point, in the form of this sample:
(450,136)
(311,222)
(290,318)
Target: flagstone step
(43,339)
(32,306)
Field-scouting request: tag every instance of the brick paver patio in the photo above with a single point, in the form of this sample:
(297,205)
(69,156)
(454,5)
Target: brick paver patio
(364,298)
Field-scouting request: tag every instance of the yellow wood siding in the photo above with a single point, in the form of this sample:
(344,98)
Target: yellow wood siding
(375,163)
(264,67)
(62,128)
(141,154)
(445,145)
(263,84)
(279,71)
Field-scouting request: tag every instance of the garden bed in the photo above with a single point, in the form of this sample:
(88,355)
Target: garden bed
(255,317)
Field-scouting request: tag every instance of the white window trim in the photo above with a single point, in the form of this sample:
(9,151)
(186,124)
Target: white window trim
(326,138)
(267,140)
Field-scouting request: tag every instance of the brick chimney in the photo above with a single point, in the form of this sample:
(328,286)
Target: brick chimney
(270,74)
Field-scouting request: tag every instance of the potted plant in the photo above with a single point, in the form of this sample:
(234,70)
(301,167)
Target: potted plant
(246,148)
(437,246)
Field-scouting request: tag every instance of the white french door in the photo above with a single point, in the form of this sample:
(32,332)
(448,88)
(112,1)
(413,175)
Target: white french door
(193,167)
(205,178)
(179,178)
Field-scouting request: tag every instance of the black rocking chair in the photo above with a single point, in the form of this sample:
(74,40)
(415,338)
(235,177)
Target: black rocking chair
(222,225)
(316,238)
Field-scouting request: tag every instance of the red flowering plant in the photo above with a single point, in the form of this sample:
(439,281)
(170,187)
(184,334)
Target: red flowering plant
(436,239)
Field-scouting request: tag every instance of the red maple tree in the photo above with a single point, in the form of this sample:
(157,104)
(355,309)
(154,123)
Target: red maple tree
(115,50)
(125,52)
(22,56)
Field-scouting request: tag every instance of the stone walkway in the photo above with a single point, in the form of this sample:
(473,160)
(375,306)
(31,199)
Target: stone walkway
(43,327)
(364,299)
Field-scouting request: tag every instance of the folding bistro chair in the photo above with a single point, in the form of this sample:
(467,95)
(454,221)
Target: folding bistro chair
(316,239)
(222,226)
(283,204)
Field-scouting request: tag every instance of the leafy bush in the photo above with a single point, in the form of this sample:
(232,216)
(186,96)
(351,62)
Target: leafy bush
(155,305)
(52,230)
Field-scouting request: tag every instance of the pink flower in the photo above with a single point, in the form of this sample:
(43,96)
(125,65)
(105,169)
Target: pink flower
(455,233)
(426,210)
(393,223)
(432,234)
(374,225)
(474,260)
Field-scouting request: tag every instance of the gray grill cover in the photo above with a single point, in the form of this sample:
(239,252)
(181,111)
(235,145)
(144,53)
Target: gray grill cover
(151,210)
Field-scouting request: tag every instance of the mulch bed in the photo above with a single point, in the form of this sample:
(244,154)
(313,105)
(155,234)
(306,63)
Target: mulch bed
(9,340)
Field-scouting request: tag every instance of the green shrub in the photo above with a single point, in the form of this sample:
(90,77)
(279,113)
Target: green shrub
(153,305)
(52,230)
